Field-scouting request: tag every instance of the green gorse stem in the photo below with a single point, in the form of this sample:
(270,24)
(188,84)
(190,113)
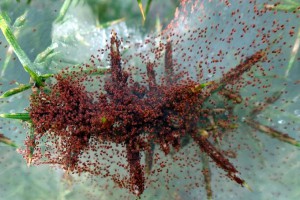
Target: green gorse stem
(11,39)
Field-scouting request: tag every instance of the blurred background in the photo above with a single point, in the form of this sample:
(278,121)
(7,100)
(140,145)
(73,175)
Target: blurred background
(56,33)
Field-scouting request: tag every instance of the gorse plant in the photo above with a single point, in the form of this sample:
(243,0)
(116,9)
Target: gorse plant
(162,109)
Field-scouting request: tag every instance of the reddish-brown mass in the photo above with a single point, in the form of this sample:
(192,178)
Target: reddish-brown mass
(84,130)
(133,115)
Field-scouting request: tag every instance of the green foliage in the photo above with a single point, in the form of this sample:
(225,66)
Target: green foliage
(286,5)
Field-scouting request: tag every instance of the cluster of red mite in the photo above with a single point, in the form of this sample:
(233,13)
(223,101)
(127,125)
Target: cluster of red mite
(73,121)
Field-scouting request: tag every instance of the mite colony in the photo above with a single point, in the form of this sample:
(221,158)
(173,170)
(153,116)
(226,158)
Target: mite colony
(168,107)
